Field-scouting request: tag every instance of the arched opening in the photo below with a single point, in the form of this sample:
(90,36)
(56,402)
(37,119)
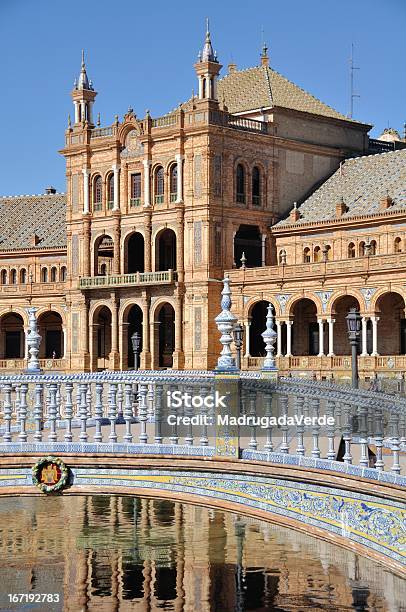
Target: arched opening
(340,310)
(305,329)
(63,274)
(240,184)
(173,182)
(306,255)
(257,327)
(165,335)
(390,308)
(23,276)
(327,252)
(12,337)
(256,186)
(134,257)
(351,250)
(50,330)
(397,245)
(159,185)
(3,277)
(248,241)
(373,248)
(110,191)
(165,250)
(44,275)
(103,256)
(97,193)
(13,277)
(361,249)
(132,323)
(54,272)
(317,254)
(101,338)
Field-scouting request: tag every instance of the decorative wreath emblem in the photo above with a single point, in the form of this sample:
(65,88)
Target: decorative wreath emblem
(50,474)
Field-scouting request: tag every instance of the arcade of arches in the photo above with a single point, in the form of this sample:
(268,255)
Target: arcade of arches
(13,336)
(306,332)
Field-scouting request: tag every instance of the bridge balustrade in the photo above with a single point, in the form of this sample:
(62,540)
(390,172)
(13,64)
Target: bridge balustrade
(363,432)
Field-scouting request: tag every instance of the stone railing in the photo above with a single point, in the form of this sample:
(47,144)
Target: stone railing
(165,121)
(137,278)
(361,433)
(102,132)
(14,365)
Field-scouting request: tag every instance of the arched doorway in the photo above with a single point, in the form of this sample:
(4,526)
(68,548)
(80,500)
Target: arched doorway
(340,310)
(132,323)
(50,329)
(305,329)
(165,339)
(257,327)
(101,338)
(103,255)
(248,241)
(134,255)
(165,250)
(12,337)
(390,308)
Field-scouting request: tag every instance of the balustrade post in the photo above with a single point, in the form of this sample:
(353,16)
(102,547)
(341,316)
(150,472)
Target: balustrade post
(268,446)
(252,402)
(83,437)
(284,407)
(299,405)
(330,411)
(395,442)
(98,412)
(362,430)
(158,413)
(316,428)
(89,400)
(113,412)
(22,436)
(38,413)
(174,438)
(68,411)
(52,412)
(204,440)
(378,434)
(347,432)
(58,401)
(7,412)
(150,401)
(188,411)
(142,412)
(120,395)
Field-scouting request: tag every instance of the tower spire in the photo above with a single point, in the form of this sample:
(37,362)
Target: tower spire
(83,95)
(207,68)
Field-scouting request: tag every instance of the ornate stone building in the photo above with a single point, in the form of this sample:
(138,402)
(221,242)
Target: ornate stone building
(156,210)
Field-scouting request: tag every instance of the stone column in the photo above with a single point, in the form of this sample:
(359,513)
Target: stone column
(178,358)
(179,185)
(180,265)
(279,338)
(146,351)
(86,202)
(85,264)
(116,170)
(374,320)
(289,338)
(321,337)
(114,355)
(147,245)
(147,193)
(330,337)
(116,247)
(364,352)
(247,325)
(76,103)
(263,251)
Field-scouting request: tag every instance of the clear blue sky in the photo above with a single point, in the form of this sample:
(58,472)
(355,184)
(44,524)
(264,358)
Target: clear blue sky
(141,54)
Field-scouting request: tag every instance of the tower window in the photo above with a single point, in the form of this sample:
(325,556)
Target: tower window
(110,191)
(97,193)
(44,275)
(398,245)
(13,277)
(256,186)
(306,255)
(240,184)
(159,185)
(4,277)
(351,250)
(135,199)
(23,276)
(63,274)
(53,274)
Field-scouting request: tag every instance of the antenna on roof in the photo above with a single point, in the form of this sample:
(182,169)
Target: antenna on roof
(352,94)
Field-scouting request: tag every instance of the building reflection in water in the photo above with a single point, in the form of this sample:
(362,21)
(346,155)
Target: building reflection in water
(125,553)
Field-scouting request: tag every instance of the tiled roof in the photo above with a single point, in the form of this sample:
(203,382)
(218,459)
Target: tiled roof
(23,216)
(262,86)
(361,182)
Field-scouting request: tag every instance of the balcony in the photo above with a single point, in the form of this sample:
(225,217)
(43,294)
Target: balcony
(127,280)
(134,202)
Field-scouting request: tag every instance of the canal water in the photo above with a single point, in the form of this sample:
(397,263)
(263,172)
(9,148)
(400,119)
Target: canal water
(123,553)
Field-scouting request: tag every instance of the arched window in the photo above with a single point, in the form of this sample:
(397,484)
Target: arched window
(240,184)
(44,275)
(110,191)
(361,249)
(256,186)
(62,274)
(317,254)
(282,257)
(306,255)
(103,270)
(159,185)
(174,182)
(398,245)
(351,250)
(373,247)
(97,193)
(53,274)
(13,277)
(23,276)
(204,88)
(4,277)
(327,252)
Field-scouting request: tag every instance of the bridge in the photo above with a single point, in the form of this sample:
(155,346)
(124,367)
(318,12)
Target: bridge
(311,455)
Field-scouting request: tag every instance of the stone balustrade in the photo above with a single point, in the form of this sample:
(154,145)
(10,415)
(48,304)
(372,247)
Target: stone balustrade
(122,280)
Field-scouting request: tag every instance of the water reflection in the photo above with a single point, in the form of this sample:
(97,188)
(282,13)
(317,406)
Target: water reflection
(122,553)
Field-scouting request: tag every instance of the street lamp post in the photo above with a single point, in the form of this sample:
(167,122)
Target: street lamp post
(136,341)
(354,328)
(238,333)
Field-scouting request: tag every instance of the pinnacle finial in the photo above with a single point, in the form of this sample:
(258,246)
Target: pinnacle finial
(98,120)
(83,58)
(207,27)
(69,122)
(208,54)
